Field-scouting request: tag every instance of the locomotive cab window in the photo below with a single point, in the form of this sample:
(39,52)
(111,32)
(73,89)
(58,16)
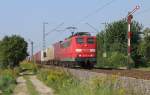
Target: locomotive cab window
(79,40)
(90,40)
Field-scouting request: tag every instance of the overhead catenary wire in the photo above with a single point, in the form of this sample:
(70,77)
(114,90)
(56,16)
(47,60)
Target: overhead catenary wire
(97,10)
(91,26)
(144,11)
(55,29)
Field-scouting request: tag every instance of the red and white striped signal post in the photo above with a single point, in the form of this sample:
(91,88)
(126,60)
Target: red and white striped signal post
(130,16)
(129,38)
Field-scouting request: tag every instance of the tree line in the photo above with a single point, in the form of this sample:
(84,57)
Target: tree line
(112,45)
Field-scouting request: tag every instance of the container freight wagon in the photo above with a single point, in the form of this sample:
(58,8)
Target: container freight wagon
(37,57)
(49,55)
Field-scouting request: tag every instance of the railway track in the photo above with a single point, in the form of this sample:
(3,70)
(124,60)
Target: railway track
(127,73)
(138,74)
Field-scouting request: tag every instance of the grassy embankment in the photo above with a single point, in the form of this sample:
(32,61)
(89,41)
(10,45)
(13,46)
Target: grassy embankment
(64,84)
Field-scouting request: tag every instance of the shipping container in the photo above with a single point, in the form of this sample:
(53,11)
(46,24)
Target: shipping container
(49,54)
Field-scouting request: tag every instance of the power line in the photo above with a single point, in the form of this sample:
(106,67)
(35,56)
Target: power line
(55,29)
(91,26)
(97,10)
(144,11)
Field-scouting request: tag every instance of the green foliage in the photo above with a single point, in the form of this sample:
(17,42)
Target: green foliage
(115,60)
(118,59)
(13,50)
(29,66)
(114,39)
(7,81)
(144,48)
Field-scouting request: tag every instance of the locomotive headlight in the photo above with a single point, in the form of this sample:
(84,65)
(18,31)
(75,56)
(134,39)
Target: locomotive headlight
(80,55)
(78,50)
(91,55)
(92,50)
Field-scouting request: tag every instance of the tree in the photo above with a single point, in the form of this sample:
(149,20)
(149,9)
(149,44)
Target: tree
(13,49)
(114,38)
(144,48)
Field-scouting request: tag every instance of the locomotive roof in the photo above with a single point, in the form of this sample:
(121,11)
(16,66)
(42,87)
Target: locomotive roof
(82,34)
(77,34)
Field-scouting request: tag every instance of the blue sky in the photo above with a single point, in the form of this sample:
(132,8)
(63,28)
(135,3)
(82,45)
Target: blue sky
(25,17)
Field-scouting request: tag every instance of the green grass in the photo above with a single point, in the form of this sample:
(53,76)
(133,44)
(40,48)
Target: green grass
(7,81)
(29,66)
(144,69)
(30,87)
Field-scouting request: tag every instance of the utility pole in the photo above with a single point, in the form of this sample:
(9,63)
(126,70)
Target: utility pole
(32,57)
(32,49)
(129,19)
(44,40)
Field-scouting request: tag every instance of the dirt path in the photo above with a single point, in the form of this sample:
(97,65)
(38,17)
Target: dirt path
(40,87)
(21,88)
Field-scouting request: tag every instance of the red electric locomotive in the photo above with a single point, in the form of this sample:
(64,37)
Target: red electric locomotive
(79,48)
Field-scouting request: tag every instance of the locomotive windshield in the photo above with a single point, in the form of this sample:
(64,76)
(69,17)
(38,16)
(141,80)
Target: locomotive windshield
(90,40)
(79,40)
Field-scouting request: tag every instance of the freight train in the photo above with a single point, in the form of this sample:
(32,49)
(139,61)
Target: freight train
(78,49)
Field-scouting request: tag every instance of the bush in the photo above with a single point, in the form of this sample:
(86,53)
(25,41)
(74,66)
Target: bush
(118,60)
(29,66)
(113,60)
(7,81)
